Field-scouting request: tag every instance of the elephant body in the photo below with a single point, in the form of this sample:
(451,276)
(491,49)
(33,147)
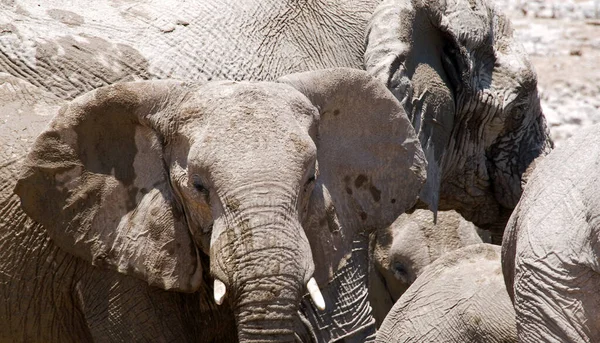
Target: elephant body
(53,296)
(550,250)
(460,297)
(70,48)
(402,251)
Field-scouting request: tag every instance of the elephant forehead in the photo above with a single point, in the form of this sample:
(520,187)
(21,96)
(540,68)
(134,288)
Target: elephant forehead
(257,93)
(221,101)
(258,143)
(249,126)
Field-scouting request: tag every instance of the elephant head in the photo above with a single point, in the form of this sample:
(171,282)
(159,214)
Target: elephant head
(150,178)
(471,93)
(402,251)
(458,298)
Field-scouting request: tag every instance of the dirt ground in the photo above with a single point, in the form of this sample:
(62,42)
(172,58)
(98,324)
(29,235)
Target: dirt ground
(563,40)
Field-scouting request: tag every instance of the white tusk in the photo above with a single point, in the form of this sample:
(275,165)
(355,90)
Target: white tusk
(315,294)
(220,289)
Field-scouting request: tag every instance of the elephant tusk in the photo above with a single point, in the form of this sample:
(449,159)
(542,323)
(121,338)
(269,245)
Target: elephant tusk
(315,294)
(220,289)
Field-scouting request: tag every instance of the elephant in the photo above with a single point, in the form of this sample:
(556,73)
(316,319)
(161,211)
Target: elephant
(550,250)
(51,296)
(471,93)
(462,77)
(69,48)
(459,298)
(170,210)
(399,253)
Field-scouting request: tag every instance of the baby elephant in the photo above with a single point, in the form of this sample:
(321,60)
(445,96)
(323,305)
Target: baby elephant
(400,252)
(460,297)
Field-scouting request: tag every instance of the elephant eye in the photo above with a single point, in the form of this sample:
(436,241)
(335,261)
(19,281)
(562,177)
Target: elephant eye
(518,112)
(400,271)
(200,187)
(310,184)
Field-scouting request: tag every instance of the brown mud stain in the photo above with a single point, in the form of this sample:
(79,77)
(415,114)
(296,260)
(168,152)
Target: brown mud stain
(66,17)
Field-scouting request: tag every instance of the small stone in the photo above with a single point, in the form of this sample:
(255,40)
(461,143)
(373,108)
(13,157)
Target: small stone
(576,52)
(167,28)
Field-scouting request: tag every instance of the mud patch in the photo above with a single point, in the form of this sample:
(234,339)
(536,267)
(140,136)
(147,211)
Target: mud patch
(7,29)
(375,193)
(66,17)
(70,66)
(360,180)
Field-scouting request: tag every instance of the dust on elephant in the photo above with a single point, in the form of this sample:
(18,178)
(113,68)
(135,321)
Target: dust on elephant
(399,253)
(460,298)
(457,68)
(550,249)
(178,184)
(50,295)
(69,47)
(471,93)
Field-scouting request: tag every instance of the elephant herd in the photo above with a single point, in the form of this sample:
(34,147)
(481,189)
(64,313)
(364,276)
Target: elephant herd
(290,171)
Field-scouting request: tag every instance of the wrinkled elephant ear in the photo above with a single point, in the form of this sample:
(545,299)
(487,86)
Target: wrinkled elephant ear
(415,60)
(370,164)
(96,179)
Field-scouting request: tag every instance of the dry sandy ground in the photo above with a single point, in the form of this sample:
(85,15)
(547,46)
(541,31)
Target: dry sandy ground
(563,40)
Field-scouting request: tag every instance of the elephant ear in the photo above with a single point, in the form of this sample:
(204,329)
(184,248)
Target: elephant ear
(370,164)
(418,62)
(96,179)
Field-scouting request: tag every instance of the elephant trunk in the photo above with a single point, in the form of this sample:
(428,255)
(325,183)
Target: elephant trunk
(264,261)
(266,309)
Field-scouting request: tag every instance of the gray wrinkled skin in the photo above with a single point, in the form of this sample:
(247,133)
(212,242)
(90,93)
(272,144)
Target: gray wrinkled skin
(464,80)
(173,184)
(460,298)
(471,93)
(49,295)
(401,252)
(68,48)
(550,249)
